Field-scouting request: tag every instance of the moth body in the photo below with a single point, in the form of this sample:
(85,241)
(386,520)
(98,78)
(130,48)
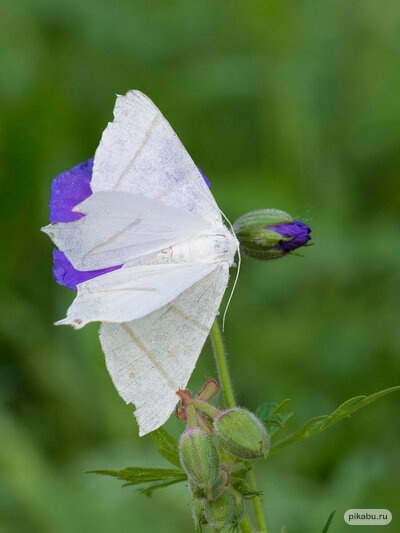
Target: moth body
(207,247)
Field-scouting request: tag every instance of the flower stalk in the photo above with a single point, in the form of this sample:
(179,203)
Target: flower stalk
(229,398)
(222,365)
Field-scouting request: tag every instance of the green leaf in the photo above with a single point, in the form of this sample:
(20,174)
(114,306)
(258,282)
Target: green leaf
(158,477)
(137,475)
(270,414)
(167,446)
(148,491)
(320,423)
(329,522)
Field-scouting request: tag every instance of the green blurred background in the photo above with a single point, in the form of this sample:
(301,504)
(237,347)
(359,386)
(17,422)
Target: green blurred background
(287,104)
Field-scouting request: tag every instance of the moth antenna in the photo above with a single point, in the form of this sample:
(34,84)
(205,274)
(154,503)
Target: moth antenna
(233,289)
(237,273)
(307,215)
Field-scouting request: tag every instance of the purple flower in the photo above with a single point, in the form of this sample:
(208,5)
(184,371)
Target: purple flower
(204,177)
(296,231)
(69,189)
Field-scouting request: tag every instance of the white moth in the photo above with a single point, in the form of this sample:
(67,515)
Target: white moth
(152,212)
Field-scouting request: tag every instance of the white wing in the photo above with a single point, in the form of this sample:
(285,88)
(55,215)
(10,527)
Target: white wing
(149,359)
(120,227)
(131,292)
(140,153)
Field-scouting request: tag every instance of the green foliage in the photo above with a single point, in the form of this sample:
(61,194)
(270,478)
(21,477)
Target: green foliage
(320,423)
(148,491)
(167,446)
(329,522)
(158,477)
(272,416)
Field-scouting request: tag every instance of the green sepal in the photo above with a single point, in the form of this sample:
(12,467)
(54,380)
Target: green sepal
(255,237)
(245,490)
(261,218)
(320,423)
(198,515)
(261,244)
(227,510)
(242,434)
(200,460)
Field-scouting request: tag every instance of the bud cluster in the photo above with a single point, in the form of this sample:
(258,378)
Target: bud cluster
(217,450)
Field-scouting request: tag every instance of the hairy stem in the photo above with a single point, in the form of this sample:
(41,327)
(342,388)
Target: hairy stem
(257,505)
(222,365)
(229,397)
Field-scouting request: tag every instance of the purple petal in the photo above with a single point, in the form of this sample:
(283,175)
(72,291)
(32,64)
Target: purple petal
(204,177)
(68,190)
(296,230)
(65,274)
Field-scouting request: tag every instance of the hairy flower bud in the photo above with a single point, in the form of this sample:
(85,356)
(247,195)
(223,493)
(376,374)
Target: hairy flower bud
(270,233)
(242,434)
(198,514)
(227,510)
(199,458)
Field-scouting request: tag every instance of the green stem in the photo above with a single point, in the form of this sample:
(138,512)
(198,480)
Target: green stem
(257,505)
(229,397)
(222,365)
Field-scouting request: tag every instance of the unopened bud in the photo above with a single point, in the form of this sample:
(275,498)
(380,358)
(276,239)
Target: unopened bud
(242,434)
(200,460)
(227,510)
(270,233)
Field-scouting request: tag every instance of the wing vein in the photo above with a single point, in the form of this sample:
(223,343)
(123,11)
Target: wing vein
(133,159)
(153,360)
(186,317)
(113,237)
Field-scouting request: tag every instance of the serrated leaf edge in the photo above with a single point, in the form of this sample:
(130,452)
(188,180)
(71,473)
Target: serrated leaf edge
(320,423)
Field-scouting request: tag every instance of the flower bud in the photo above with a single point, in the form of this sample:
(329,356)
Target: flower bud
(242,434)
(198,514)
(227,510)
(270,233)
(200,460)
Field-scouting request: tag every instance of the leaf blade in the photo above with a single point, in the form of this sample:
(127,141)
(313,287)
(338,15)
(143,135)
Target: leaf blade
(166,445)
(320,423)
(137,475)
(272,416)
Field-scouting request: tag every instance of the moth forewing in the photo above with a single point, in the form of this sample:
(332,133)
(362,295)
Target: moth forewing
(140,153)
